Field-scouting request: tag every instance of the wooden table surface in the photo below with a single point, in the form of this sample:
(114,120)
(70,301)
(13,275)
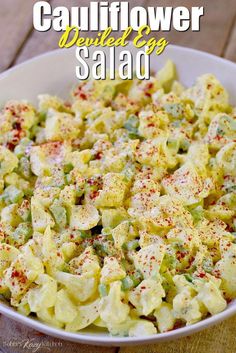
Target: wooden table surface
(19,42)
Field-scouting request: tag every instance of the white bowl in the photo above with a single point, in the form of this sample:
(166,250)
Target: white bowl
(54,73)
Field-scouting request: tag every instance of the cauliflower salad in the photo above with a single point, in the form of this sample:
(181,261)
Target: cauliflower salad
(117,207)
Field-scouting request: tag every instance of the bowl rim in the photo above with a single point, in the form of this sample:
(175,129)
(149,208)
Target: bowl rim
(103,340)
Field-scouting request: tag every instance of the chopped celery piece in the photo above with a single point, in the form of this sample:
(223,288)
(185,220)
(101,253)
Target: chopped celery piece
(24,210)
(84,235)
(197,213)
(66,268)
(29,192)
(207,264)
(174,109)
(234,234)
(131,245)
(102,289)
(188,277)
(132,124)
(108,92)
(173,144)
(68,167)
(79,191)
(23,233)
(42,116)
(133,136)
(68,179)
(136,278)
(25,168)
(36,130)
(184,144)
(12,194)
(59,213)
(21,148)
(104,248)
(128,173)
(19,151)
(4,197)
(106,231)
(127,283)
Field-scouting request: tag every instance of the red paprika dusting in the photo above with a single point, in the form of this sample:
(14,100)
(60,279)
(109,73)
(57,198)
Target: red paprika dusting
(98,155)
(19,275)
(83,96)
(94,194)
(201,275)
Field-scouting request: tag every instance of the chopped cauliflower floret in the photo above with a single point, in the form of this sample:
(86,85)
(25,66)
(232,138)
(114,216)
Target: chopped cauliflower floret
(165,318)
(148,260)
(187,185)
(112,310)
(147,296)
(84,217)
(186,307)
(111,271)
(113,191)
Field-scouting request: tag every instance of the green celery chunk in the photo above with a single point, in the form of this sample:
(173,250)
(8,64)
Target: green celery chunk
(133,136)
(127,283)
(59,213)
(102,289)
(132,124)
(68,168)
(24,210)
(207,264)
(174,109)
(173,144)
(131,245)
(184,144)
(108,93)
(84,235)
(106,231)
(79,191)
(25,168)
(136,278)
(21,148)
(188,277)
(42,116)
(197,213)
(23,233)
(12,194)
(234,235)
